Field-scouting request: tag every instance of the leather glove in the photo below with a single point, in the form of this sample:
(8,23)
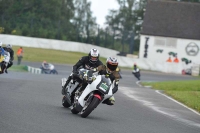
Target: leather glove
(85,77)
(94,70)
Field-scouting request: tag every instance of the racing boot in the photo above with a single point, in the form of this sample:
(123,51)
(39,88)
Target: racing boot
(109,101)
(6,71)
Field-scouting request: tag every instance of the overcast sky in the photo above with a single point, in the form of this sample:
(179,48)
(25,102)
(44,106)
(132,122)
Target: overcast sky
(100,9)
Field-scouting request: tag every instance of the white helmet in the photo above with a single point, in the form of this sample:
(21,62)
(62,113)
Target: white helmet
(94,55)
(9,46)
(0,44)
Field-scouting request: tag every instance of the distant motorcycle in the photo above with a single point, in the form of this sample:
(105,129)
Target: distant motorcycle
(136,73)
(49,69)
(4,60)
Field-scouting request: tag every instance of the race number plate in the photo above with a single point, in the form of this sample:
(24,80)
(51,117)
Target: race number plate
(103,87)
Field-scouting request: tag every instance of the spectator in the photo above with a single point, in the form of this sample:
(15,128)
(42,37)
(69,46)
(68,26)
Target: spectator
(19,55)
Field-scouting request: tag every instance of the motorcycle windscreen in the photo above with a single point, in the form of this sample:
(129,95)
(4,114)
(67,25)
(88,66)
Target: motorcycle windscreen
(104,85)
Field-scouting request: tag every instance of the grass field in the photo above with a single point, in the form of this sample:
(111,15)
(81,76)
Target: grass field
(187,92)
(50,55)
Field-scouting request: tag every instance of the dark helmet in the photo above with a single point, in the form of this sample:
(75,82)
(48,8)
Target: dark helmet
(111,64)
(93,55)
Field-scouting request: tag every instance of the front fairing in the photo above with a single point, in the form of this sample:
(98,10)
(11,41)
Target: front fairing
(95,86)
(5,57)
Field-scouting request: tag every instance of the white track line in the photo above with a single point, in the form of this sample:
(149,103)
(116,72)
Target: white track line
(178,102)
(157,91)
(138,83)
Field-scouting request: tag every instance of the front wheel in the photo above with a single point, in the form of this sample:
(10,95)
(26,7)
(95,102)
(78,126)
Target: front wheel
(66,102)
(3,67)
(89,107)
(74,110)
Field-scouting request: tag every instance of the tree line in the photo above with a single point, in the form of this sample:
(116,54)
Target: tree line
(72,20)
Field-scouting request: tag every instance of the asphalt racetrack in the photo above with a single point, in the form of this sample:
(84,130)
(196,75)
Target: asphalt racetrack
(31,103)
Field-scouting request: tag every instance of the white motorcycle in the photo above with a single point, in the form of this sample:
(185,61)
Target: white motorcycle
(4,60)
(71,87)
(99,88)
(70,90)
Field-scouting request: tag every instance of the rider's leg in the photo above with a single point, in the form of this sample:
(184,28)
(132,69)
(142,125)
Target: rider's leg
(84,84)
(109,101)
(9,65)
(66,83)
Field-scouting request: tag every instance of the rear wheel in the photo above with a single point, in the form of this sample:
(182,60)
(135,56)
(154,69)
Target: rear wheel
(89,107)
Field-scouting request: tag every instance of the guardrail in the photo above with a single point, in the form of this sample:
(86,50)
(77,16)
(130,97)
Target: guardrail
(195,70)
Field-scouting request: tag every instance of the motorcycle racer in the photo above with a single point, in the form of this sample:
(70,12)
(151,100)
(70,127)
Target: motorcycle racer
(5,57)
(110,70)
(136,71)
(88,62)
(9,49)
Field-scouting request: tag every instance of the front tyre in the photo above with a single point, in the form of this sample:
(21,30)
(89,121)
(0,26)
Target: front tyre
(66,102)
(89,107)
(3,67)
(74,110)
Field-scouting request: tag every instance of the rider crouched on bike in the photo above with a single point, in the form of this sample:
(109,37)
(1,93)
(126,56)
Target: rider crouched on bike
(87,62)
(9,49)
(110,69)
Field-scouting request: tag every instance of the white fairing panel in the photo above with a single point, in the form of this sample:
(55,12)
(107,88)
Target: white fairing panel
(91,87)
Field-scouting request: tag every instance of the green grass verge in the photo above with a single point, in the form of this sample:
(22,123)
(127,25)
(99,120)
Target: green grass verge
(19,68)
(187,92)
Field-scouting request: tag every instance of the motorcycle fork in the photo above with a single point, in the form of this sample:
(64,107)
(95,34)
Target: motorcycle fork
(73,94)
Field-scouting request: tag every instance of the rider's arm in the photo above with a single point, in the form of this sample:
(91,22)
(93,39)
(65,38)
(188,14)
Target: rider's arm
(116,79)
(99,63)
(12,55)
(101,68)
(79,63)
(43,66)
(2,51)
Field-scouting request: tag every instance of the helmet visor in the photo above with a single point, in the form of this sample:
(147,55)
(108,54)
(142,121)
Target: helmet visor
(93,58)
(112,67)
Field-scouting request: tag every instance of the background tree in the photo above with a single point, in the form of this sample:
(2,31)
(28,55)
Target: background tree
(73,20)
